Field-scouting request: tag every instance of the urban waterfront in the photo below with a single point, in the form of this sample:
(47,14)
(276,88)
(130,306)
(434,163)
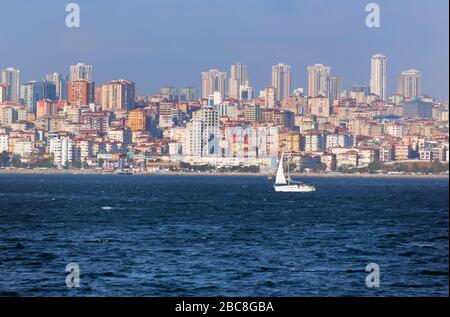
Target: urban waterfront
(231,236)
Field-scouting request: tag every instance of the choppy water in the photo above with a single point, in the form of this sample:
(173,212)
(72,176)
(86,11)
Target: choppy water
(208,236)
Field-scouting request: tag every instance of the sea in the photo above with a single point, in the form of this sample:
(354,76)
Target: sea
(154,236)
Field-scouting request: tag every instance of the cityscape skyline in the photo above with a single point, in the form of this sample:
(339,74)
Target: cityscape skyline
(321,81)
(413,41)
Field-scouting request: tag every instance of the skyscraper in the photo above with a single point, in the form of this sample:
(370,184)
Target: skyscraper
(238,78)
(213,80)
(11,77)
(80,92)
(61,85)
(270,97)
(281,80)
(378,76)
(319,80)
(35,91)
(409,84)
(137,120)
(81,71)
(335,88)
(202,135)
(188,94)
(245,93)
(3,92)
(118,95)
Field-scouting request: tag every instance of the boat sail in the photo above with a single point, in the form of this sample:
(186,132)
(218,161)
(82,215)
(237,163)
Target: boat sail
(280,179)
(287,185)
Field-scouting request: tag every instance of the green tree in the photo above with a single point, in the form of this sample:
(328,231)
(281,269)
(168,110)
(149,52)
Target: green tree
(375,166)
(4,158)
(15,161)
(437,167)
(322,166)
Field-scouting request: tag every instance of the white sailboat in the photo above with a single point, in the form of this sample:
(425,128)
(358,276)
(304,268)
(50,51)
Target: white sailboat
(283,184)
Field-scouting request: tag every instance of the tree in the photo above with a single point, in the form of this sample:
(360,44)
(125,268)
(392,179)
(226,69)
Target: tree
(375,166)
(322,166)
(437,167)
(75,164)
(101,162)
(4,158)
(15,161)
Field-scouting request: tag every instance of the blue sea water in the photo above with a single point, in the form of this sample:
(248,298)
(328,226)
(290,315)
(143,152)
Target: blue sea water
(230,236)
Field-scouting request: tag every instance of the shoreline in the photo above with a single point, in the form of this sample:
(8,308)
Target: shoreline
(205,174)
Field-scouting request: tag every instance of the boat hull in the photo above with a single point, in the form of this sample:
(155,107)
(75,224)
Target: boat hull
(294,188)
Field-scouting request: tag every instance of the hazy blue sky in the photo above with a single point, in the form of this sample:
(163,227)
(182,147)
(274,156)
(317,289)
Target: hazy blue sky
(169,42)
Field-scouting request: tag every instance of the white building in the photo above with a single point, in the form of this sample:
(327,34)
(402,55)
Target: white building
(11,77)
(409,84)
(23,147)
(62,150)
(82,150)
(238,78)
(394,129)
(281,81)
(4,143)
(378,77)
(213,80)
(3,92)
(81,71)
(124,136)
(319,80)
(202,133)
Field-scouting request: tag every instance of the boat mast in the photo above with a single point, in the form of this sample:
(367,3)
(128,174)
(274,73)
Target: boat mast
(289,175)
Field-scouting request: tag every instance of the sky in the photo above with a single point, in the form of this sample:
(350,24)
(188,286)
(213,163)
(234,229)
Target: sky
(158,43)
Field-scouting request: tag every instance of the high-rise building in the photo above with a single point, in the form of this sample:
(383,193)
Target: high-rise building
(238,78)
(80,92)
(409,84)
(179,94)
(98,95)
(213,80)
(137,120)
(281,80)
(270,97)
(202,137)
(34,91)
(8,115)
(359,93)
(11,77)
(188,94)
(319,80)
(3,92)
(81,71)
(378,76)
(62,150)
(245,93)
(335,88)
(60,83)
(417,109)
(169,93)
(118,95)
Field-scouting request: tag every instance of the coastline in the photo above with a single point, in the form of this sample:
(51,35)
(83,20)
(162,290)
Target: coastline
(16,171)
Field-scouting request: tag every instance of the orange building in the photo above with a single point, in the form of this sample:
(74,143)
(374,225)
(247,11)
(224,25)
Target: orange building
(137,120)
(80,92)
